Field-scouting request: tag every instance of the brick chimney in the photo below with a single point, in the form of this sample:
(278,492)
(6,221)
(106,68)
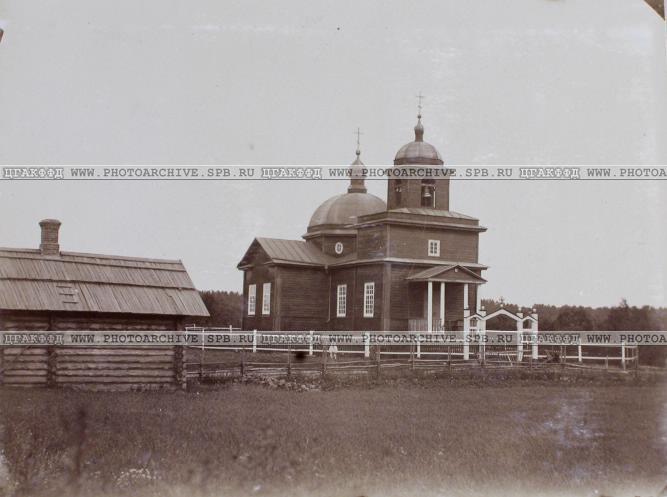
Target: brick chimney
(49,244)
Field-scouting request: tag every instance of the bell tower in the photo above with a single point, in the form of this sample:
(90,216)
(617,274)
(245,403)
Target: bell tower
(416,184)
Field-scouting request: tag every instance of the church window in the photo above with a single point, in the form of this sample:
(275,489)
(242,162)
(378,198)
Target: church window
(434,248)
(266,299)
(252,299)
(341,301)
(369,299)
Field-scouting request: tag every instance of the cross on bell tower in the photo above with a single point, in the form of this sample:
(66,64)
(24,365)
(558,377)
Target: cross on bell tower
(357,184)
(420,97)
(408,191)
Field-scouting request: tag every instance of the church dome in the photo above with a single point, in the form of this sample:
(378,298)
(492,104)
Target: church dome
(343,209)
(418,151)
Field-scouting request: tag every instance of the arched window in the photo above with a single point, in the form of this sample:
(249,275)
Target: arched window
(428,193)
(398,191)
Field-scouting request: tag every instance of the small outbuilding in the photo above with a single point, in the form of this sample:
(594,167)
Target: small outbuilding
(47,289)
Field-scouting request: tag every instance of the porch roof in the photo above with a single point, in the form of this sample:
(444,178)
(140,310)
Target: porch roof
(447,274)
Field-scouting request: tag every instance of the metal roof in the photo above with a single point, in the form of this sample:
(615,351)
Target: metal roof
(295,251)
(432,212)
(450,274)
(96,283)
(345,208)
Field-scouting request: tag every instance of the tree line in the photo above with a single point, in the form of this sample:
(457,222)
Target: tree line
(226,308)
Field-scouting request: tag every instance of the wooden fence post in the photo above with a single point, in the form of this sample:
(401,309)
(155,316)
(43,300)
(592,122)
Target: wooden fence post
(449,358)
(419,347)
(519,341)
(254,341)
(310,345)
(623,354)
(379,360)
(201,356)
(367,345)
(563,356)
(579,353)
(412,355)
(289,359)
(2,366)
(242,366)
(324,360)
(466,331)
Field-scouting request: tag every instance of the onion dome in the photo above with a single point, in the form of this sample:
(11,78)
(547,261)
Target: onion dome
(342,210)
(418,151)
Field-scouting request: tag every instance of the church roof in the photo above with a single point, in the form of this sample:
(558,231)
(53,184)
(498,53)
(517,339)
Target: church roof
(432,212)
(292,251)
(343,209)
(418,151)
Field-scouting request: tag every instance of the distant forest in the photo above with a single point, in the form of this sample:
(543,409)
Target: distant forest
(226,308)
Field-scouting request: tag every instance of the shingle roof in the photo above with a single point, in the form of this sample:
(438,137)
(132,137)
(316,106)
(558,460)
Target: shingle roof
(96,283)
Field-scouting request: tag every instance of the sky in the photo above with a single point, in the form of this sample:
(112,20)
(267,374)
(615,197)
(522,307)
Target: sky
(166,82)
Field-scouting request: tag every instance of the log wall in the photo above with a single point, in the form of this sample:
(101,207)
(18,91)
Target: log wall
(97,368)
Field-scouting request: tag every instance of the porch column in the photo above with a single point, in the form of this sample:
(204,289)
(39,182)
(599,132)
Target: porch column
(429,307)
(465,296)
(478,298)
(442,305)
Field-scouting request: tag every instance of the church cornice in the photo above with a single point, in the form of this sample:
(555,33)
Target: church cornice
(418,222)
(408,261)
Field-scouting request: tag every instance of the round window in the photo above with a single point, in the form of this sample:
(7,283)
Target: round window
(338,248)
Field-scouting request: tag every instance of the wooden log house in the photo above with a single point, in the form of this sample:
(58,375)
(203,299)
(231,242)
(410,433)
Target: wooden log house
(46,289)
(365,264)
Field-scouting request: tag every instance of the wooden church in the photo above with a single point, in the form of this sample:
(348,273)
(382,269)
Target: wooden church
(408,264)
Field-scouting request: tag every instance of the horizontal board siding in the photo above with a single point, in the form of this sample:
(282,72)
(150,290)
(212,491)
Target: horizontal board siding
(342,277)
(455,246)
(372,242)
(368,274)
(406,298)
(303,298)
(258,276)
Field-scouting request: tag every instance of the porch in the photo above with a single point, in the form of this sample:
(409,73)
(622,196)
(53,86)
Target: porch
(449,295)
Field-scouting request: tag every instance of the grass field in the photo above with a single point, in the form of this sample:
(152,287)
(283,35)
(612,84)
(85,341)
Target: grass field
(410,437)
